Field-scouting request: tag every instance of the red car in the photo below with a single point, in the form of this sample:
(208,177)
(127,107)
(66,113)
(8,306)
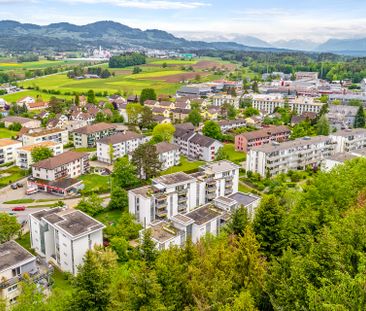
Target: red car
(18,209)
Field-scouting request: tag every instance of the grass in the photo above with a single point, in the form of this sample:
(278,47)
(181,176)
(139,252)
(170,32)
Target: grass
(15,174)
(85,149)
(244,188)
(10,98)
(109,217)
(174,62)
(61,281)
(234,156)
(5,133)
(95,183)
(185,166)
(24,241)
(19,201)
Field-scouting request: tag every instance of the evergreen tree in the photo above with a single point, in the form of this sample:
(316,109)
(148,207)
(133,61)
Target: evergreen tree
(146,160)
(90,96)
(212,129)
(322,126)
(41,153)
(360,118)
(239,221)
(146,94)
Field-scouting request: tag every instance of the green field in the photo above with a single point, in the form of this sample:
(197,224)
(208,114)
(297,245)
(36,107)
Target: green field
(5,133)
(95,183)
(11,175)
(234,156)
(185,166)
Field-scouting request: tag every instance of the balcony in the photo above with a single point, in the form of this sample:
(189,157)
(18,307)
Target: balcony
(162,213)
(211,196)
(161,205)
(34,277)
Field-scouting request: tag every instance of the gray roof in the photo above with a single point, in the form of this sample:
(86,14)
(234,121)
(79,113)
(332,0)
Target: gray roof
(175,178)
(204,214)
(165,147)
(15,119)
(220,166)
(350,132)
(163,231)
(342,157)
(244,199)
(202,140)
(11,254)
(120,137)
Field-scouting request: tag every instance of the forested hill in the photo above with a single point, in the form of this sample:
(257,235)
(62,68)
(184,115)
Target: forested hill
(15,36)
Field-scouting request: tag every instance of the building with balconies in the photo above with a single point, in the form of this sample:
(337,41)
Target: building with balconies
(169,154)
(87,136)
(8,150)
(63,236)
(350,139)
(34,136)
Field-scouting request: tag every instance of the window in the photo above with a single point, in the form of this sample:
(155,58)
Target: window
(12,288)
(16,271)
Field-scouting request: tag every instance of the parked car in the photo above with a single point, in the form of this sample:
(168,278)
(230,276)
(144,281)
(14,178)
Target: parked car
(20,185)
(18,209)
(14,186)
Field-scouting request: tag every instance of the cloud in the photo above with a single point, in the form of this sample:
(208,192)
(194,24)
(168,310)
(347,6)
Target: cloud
(144,4)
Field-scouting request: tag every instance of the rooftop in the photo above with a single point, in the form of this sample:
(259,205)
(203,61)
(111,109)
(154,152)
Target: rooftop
(7,142)
(202,140)
(120,137)
(61,159)
(350,132)
(218,167)
(342,157)
(42,144)
(94,128)
(163,231)
(44,132)
(15,119)
(204,214)
(11,254)
(165,147)
(265,132)
(243,198)
(173,179)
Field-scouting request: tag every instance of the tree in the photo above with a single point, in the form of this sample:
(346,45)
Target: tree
(136,70)
(148,251)
(41,153)
(231,112)
(92,205)
(90,97)
(9,227)
(119,199)
(15,127)
(146,159)
(222,154)
(133,112)
(195,117)
(126,227)
(120,246)
(164,65)
(147,94)
(100,117)
(250,111)
(91,290)
(322,126)
(163,132)
(303,129)
(360,118)
(147,118)
(30,299)
(212,129)
(239,221)
(124,174)
(255,87)
(77,100)
(267,225)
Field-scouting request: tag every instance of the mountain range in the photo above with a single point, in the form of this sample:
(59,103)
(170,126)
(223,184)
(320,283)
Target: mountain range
(15,36)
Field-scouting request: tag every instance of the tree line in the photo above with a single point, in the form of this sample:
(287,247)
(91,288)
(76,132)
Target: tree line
(126,60)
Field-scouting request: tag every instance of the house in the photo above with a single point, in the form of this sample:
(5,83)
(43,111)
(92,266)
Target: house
(161,111)
(151,103)
(180,193)
(276,158)
(64,236)
(36,136)
(349,139)
(346,99)
(38,105)
(116,146)
(267,135)
(25,101)
(222,99)
(24,122)
(306,116)
(180,114)
(115,97)
(194,90)
(340,158)
(24,154)
(161,119)
(87,117)
(196,146)
(16,265)
(133,99)
(306,75)
(212,113)
(8,150)
(57,175)
(166,105)
(87,136)
(3,103)
(169,154)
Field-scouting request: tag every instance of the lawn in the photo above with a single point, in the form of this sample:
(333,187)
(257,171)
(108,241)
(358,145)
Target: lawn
(95,183)
(85,149)
(185,166)
(234,156)
(109,217)
(11,98)
(11,175)
(5,133)
(244,188)
(61,281)
(25,242)
(173,62)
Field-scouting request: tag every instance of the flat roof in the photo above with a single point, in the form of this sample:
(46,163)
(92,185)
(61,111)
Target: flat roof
(342,157)
(204,214)
(8,142)
(243,198)
(42,144)
(175,178)
(144,191)
(350,132)
(218,167)
(11,254)
(163,231)
(45,132)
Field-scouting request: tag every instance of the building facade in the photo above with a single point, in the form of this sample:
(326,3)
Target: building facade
(8,150)
(169,154)
(87,136)
(58,136)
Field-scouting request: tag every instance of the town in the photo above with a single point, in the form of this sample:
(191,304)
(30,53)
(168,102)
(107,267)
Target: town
(141,171)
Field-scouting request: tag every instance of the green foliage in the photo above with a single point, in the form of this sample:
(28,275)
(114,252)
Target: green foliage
(126,227)
(239,221)
(126,60)
(250,111)
(322,126)
(212,129)
(90,97)
(163,132)
(92,205)
(146,159)
(9,227)
(133,112)
(195,117)
(303,129)
(147,118)
(16,127)
(360,118)
(41,153)
(136,70)
(119,199)
(147,94)
(124,174)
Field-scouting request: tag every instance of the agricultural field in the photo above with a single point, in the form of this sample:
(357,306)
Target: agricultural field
(165,80)
(5,133)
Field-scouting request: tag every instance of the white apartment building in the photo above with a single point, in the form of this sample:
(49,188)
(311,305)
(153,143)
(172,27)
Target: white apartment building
(15,262)
(64,236)
(222,99)
(169,154)
(87,136)
(181,193)
(350,139)
(8,150)
(276,158)
(269,102)
(56,135)
(24,154)
(113,147)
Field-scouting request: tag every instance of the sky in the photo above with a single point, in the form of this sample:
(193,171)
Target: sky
(316,20)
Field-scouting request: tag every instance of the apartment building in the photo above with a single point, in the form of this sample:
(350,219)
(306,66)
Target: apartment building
(169,154)
(276,158)
(246,141)
(87,136)
(24,122)
(8,150)
(342,116)
(222,99)
(349,139)
(346,99)
(299,105)
(177,193)
(58,136)
(303,75)
(64,236)
(195,145)
(57,175)
(113,147)
(227,125)
(15,263)
(24,154)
